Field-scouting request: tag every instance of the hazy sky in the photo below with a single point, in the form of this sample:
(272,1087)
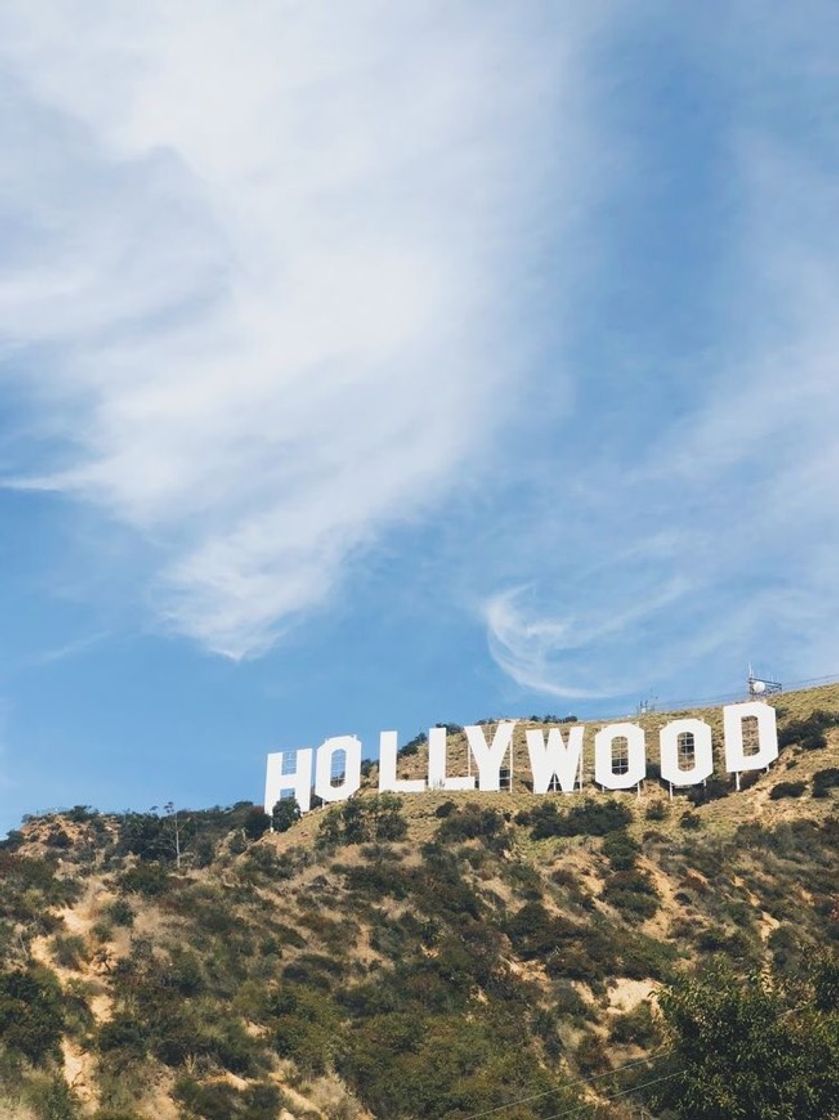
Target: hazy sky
(369,365)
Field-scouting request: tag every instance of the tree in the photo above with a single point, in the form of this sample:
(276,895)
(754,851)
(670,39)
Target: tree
(754,1049)
(175,831)
(285,813)
(256,823)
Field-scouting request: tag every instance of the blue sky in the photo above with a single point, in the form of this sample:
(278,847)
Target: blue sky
(370,367)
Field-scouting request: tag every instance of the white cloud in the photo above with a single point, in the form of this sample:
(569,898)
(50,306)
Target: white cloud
(259,256)
(732,496)
(566,655)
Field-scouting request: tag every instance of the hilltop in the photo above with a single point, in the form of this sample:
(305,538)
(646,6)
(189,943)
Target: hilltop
(442,955)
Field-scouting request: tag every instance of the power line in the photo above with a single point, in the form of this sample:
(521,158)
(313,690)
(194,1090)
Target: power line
(569,1085)
(614,1096)
(599,1076)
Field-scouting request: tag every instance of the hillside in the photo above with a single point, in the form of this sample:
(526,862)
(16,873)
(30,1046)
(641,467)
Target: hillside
(442,956)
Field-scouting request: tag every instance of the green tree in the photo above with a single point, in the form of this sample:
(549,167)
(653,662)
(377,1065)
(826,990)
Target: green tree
(754,1050)
(285,813)
(256,823)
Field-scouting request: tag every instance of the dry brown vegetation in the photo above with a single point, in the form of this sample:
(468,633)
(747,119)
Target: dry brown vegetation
(465,964)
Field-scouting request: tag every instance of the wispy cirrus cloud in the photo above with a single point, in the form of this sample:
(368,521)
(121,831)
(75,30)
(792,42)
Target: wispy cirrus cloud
(730,495)
(567,655)
(258,267)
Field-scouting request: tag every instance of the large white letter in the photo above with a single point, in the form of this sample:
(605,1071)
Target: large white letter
(352,768)
(489,758)
(554,758)
(703,754)
(636,757)
(388,742)
(767,735)
(276,782)
(437,764)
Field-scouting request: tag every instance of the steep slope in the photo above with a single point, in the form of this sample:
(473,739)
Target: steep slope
(441,957)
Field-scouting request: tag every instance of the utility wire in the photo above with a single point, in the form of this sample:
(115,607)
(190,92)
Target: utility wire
(614,1096)
(600,1076)
(569,1084)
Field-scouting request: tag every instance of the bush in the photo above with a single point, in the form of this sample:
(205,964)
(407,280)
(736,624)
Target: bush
(285,813)
(824,781)
(53,1099)
(148,879)
(413,746)
(657,811)
(470,823)
(69,951)
(621,850)
(592,818)
(58,838)
(690,821)
(256,823)
(82,814)
(534,932)
(31,1019)
(711,789)
(787,789)
(809,733)
(364,819)
(119,913)
(633,893)
(125,1034)
(637,1028)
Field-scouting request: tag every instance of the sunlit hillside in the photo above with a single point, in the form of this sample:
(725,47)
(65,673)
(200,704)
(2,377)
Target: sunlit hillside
(438,956)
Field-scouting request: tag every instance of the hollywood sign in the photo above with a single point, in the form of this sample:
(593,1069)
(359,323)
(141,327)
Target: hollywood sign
(750,742)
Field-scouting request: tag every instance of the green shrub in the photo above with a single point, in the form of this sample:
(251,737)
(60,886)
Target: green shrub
(711,789)
(568,1003)
(633,893)
(471,822)
(82,814)
(58,838)
(824,781)
(148,879)
(637,1028)
(808,733)
(305,1027)
(591,818)
(413,745)
(787,789)
(286,812)
(364,819)
(621,850)
(120,913)
(591,1055)
(69,951)
(534,932)
(657,811)
(53,1099)
(256,823)
(690,822)
(31,1017)
(125,1034)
